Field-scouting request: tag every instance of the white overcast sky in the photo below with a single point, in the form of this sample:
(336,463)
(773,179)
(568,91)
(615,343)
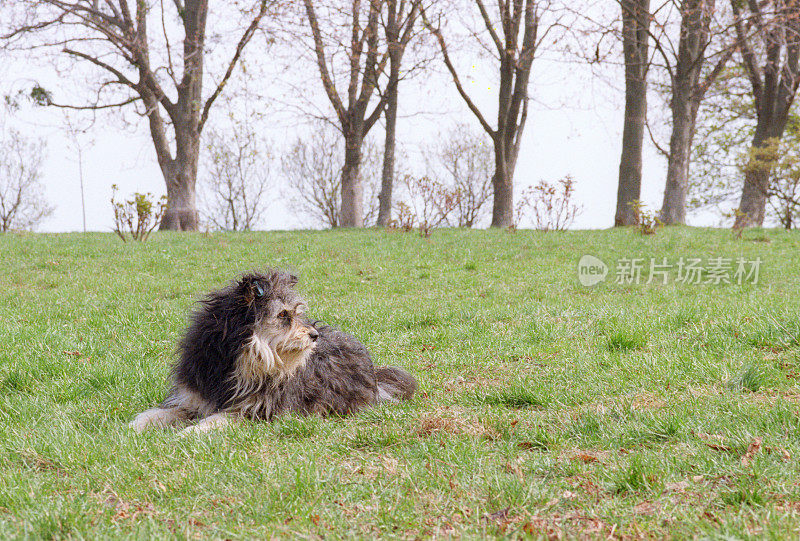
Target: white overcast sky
(574,127)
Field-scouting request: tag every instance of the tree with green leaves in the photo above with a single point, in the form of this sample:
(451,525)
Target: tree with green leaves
(768,38)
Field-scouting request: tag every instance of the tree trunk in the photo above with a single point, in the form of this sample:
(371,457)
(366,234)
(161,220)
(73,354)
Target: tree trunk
(684,114)
(180,175)
(395,49)
(753,203)
(387,177)
(503,183)
(635,38)
(181,213)
(352,209)
(630,165)
(687,93)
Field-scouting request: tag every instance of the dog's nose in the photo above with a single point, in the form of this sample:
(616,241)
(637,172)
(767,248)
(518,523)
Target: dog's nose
(313,334)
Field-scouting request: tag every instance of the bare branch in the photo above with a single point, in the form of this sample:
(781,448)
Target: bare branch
(97,62)
(245,39)
(487,21)
(322,64)
(454,74)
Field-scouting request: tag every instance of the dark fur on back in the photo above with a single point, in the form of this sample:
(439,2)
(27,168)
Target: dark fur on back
(217,329)
(224,362)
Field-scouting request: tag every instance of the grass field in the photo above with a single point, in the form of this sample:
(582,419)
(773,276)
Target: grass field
(546,408)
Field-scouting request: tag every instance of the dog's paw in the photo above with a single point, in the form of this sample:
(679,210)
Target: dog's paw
(212,422)
(193,430)
(153,417)
(140,423)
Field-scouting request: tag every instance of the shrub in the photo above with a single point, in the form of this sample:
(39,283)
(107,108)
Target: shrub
(646,221)
(549,205)
(137,217)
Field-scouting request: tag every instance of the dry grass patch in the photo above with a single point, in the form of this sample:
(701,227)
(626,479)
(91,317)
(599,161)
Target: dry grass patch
(452,420)
(124,509)
(372,466)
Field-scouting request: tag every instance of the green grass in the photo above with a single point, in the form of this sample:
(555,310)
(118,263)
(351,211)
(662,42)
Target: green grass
(546,408)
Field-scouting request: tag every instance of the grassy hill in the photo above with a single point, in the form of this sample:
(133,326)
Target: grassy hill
(546,407)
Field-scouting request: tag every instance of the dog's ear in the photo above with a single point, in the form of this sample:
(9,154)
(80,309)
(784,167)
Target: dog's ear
(253,287)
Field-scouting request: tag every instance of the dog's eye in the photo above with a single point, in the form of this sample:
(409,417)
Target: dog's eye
(284,314)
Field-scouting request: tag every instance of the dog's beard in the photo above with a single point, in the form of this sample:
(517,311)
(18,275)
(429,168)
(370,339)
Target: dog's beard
(293,359)
(275,353)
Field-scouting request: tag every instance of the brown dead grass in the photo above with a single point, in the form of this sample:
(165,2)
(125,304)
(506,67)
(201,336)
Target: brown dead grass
(124,509)
(452,420)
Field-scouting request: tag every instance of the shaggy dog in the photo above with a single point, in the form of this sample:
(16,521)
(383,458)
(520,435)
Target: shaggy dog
(251,352)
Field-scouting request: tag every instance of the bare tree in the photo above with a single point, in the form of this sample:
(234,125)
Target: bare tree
(363,63)
(238,178)
(463,161)
(313,169)
(770,56)
(22,203)
(514,37)
(401,21)
(78,146)
(688,42)
(141,67)
(689,85)
(635,44)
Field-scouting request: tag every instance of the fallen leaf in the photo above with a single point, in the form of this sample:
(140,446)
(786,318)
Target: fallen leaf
(500,516)
(528,445)
(390,463)
(752,450)
(458,380)
(586,458)
(710,516)
(679,486)
(704,436)
(73,353)
(713,441)
(645,508)
(719,447)
(315,519)
(511,467)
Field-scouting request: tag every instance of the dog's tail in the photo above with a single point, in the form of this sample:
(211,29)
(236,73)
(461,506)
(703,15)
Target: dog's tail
(394,384)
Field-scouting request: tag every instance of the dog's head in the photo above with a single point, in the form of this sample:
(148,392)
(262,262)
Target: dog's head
(282,337)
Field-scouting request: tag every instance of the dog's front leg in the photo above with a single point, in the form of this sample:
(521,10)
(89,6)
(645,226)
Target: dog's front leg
(162,417)
(212,422)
